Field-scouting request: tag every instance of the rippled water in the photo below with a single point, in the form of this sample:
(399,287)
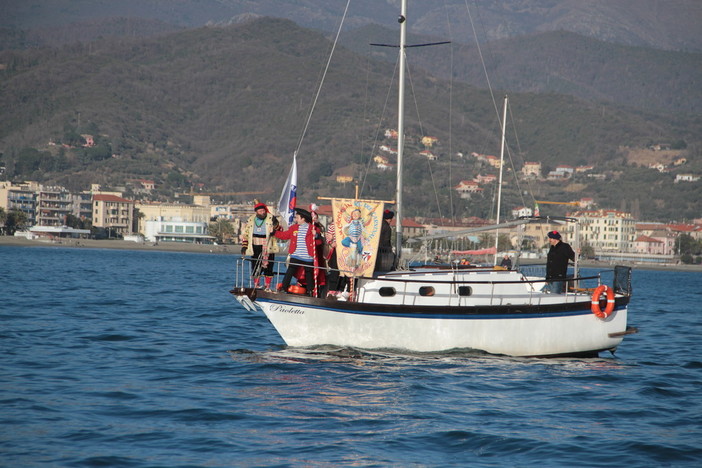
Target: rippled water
(132,358)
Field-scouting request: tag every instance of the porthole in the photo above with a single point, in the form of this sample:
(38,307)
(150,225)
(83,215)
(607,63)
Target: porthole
(387,291)
(465,291)
(426,291)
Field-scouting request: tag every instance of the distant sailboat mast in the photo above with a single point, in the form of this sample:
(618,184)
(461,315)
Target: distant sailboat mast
(499,182)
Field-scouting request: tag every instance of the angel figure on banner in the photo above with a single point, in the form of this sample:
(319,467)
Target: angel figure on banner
(358,228)
(353,230)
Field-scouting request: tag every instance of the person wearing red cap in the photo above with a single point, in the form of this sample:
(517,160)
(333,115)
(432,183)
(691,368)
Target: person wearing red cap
(257,242)
(557,262)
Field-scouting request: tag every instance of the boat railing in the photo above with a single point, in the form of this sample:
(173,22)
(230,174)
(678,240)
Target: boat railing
(406,285)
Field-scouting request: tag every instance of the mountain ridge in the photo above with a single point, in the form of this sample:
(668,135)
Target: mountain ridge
(209,106)
(669,25)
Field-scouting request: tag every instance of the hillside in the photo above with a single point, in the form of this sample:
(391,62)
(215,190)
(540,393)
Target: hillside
(226,106)
(669,25)
(559,62)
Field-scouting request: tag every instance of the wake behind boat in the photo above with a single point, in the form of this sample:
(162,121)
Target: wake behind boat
(496,310)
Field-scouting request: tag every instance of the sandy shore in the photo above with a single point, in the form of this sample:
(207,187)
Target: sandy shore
(235,249)
(121,245)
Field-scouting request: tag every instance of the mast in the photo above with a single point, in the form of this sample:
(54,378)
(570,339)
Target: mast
(400,129)
(499,183)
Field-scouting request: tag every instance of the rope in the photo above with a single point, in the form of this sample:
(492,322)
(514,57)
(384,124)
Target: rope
(324,75)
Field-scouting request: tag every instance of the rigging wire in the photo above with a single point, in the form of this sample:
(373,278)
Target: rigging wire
(421,132)
(379,128)
(519,151)
(452,213)
(494,101)
(324,75)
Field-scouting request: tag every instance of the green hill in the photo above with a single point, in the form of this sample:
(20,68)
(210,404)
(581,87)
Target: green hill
(559,62)
(226,107)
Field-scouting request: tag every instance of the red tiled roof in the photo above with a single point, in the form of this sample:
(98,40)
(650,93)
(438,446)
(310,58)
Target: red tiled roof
(647,239)
(684,227)
(111,198)
(407,222)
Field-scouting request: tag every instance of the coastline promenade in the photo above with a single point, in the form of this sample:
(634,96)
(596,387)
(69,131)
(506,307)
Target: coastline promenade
(235,249)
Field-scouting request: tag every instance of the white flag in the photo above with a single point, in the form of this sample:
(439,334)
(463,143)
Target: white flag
(288,198)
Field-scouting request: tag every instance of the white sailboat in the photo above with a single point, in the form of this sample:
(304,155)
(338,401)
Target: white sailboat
(439,309)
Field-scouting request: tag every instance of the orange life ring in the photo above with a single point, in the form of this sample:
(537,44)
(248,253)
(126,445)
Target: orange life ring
(595,303)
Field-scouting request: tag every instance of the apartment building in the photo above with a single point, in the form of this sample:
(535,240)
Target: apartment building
(607,230)
(113,212)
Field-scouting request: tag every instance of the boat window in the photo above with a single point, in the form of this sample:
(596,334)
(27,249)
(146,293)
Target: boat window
(386,291)
(426,291)
(465,290)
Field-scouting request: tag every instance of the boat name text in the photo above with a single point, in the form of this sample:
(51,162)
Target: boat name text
(286,309)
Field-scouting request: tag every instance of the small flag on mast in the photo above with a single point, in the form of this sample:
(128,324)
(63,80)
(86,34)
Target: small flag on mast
(288,198)
(536,210)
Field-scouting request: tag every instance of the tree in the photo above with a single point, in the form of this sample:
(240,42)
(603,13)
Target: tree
(223,230)
(688,245)
(15,221)
(504,243)
(587,251)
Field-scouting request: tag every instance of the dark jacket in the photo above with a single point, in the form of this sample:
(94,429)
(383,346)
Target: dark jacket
(385,242)
(557,260)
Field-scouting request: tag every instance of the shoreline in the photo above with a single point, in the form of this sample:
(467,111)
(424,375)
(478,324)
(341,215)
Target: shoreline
(118,244)
(235,249)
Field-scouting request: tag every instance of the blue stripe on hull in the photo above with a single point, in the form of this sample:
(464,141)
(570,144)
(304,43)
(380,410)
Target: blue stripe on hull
(457,315)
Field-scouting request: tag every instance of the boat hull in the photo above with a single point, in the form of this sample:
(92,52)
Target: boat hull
(515,331)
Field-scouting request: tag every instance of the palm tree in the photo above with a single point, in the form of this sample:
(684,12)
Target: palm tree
(223,230)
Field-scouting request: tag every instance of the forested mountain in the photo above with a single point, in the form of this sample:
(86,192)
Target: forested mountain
(660,24)
(557,62)
(226,106)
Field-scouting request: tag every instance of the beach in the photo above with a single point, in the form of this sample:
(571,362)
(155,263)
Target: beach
(230,249)
(120,245)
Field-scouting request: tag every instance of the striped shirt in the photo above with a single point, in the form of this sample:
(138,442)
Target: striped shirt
(301,246)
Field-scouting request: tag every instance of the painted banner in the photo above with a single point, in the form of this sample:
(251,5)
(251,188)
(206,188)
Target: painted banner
(357,226)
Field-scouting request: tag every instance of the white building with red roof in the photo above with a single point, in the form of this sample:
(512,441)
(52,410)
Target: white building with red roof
(113,212)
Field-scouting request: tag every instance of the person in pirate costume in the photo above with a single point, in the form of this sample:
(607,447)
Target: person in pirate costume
(304,237)
(258,242)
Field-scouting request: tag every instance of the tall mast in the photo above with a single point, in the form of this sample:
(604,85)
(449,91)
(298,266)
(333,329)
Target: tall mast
(400,127)
(499,183)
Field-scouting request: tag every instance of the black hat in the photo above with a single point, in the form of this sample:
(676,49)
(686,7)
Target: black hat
(554,235)
(304,214)
(387,214)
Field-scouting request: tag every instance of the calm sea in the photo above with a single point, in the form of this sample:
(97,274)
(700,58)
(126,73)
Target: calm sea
(143,359)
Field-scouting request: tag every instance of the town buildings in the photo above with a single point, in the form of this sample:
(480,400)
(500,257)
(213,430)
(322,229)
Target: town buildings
(610,233)
(175,222)
(607,230)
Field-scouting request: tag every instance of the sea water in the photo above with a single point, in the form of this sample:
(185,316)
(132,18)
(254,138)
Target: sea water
(143,359)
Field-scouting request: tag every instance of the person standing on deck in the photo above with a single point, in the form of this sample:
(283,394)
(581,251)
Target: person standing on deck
(557,262)
(258,242)
(506,262)
(385,260)
(304,238)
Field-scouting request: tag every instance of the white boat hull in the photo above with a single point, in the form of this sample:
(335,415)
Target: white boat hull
(559,334)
